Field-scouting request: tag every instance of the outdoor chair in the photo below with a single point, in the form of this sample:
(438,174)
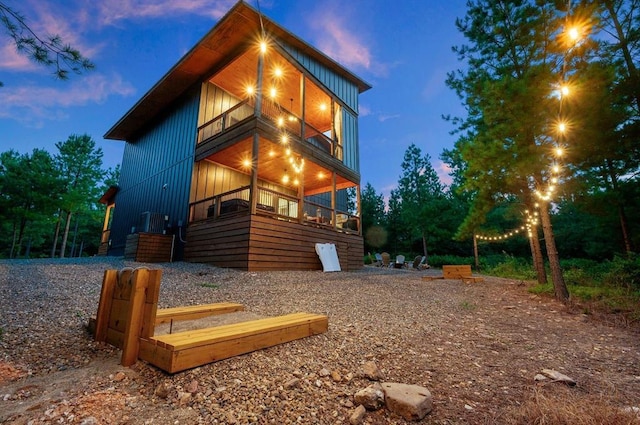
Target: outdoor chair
(386,259)
(416,262)
(378,260)
(399,263)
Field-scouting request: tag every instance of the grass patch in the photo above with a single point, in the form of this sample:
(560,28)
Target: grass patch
(466,305)
(565,406)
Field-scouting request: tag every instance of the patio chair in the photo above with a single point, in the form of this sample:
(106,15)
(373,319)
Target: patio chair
(423,264)
(378,260)
(399,263)
(386,259)
(416,262)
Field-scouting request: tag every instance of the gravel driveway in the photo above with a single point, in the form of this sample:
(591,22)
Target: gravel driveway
(476,347)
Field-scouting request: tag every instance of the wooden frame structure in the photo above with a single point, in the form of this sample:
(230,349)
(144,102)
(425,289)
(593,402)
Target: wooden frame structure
(127,315)
(462,272)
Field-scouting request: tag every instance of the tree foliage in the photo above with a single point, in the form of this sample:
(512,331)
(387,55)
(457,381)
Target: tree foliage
(48,50)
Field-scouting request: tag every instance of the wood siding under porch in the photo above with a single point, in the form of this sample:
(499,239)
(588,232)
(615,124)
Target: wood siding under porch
(254,243)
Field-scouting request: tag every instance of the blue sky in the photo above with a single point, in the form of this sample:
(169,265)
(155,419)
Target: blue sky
(402,48)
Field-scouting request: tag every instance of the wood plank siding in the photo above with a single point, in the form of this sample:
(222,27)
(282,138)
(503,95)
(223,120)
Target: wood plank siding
(262,243)
(149,248)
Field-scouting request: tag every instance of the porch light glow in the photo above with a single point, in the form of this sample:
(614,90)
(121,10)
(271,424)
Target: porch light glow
(284,139)
(296,182)
(321,175)
(574,34)
(564,90)
(280,122)
(562,127)
(323,106)
(263,46)
(556,169)
(273,92)
(246,163)
(277,72)
(287,151)
(250,90)
(272,153)
(285,179)
(559,151)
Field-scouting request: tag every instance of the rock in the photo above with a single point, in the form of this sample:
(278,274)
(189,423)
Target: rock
(162,390)
(559,377)
(89,421)
(539,377)
(183,398)
(119,376)
(292,383)
(335,376)
(358,415)
(324,372)
(192,387)
(372,397)
(371,371)
(412,402)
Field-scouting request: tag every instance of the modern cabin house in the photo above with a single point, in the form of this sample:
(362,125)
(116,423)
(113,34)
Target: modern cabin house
(244,155)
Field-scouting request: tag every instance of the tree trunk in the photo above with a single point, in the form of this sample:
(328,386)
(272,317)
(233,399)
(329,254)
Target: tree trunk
(13,240)
(75,235)
(538,258)
(424,248)
(623,226)
(560,288)
(55,236)
(65,235)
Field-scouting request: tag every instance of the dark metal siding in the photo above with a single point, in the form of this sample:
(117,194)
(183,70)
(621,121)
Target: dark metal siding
(164,154)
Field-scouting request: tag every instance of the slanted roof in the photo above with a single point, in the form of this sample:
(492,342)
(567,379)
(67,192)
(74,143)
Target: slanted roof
(240,26)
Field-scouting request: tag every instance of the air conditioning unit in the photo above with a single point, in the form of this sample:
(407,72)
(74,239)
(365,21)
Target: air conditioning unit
(152,222)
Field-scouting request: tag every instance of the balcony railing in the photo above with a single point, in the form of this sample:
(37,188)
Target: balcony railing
(281,118)
(227,119)
(274,204)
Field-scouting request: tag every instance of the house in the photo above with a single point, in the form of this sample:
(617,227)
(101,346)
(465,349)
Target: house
(244,155)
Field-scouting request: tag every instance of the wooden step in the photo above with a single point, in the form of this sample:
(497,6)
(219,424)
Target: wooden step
(185,350)
(193,312)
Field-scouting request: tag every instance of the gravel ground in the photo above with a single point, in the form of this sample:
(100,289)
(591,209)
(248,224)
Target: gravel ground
(476,347)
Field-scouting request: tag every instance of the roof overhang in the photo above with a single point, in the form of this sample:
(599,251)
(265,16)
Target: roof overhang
(240,26)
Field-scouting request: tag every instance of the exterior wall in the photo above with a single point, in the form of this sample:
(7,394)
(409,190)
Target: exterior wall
(254,243)
(213,102)
(164,154)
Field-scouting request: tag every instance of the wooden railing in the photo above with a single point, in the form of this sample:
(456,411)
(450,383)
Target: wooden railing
(227,119)
(274,204)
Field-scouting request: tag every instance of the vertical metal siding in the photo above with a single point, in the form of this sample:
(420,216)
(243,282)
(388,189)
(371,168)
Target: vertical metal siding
(163,154)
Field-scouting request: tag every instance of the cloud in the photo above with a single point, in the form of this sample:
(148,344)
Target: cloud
(113,11)
(385,117)
(443,170)
(12,60)
(32,105)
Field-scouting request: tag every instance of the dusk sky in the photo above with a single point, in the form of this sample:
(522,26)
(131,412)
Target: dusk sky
(402,48)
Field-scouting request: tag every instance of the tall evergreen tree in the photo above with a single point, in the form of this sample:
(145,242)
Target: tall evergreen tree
(375,236)
(80,165)
(516,58)
(422,197)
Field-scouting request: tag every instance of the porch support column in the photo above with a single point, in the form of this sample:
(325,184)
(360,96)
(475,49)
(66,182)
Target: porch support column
(301,199)
(258,106)
(253,189)
(302,105)
(358,209)
(333,200)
